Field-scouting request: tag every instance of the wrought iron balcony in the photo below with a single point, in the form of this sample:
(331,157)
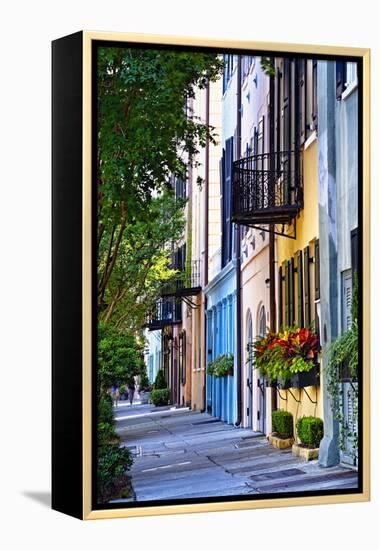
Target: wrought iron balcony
(167,311)
(267,188)
(187,282)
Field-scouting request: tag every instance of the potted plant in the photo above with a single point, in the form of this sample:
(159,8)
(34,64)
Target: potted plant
(288,357)
(310,431)
(282,430)
(221,366)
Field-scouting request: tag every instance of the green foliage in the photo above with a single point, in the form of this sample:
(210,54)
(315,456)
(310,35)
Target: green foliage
(145,137)
(123,390)
(160,397)
(343,353)
(144,379)
(279,355)
(160,382)
(142,261)
(267,66)
(310,431)
(221,366)
(112,463)
(105,409)
(282,423)
(105,433)
(119,356)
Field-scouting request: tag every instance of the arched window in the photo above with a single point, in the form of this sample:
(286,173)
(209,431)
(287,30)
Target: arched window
(262,322)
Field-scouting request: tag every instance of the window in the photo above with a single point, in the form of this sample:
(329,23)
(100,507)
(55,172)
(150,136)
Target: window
(226,202)
(346,75)
(228,70)
(246,63)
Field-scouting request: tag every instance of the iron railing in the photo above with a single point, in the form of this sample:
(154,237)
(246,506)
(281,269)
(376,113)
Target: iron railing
(186,283)
(167,311)
(267,188)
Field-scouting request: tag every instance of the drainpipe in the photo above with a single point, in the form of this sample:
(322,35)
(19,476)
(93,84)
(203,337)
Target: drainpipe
(238,261)
(206,244)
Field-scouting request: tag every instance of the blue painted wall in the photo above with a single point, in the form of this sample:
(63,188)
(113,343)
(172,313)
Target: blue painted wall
(221,393)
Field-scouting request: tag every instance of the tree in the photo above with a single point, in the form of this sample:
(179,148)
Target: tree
(145,137)
(142,264)
(119,357)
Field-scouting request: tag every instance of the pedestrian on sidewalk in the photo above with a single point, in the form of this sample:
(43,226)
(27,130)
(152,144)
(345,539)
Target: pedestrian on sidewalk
(115,395)
(131,389)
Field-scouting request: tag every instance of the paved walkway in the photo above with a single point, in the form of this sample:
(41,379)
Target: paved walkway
(180,453)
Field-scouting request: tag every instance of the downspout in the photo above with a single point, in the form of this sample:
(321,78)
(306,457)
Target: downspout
(206,245)
(272,275)
(238,261)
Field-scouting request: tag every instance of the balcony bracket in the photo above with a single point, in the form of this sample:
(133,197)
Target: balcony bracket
(276,231)
(190,303)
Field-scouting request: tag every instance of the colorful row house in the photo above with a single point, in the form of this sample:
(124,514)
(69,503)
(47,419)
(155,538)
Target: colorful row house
(260,225)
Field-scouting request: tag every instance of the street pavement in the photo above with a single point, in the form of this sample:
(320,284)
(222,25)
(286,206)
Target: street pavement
(184,454)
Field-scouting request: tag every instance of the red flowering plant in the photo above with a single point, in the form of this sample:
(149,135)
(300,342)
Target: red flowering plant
(279,355)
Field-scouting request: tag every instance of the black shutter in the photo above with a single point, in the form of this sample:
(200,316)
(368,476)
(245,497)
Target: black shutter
(287,294)
(227,256)
(291,291)
(307,301)
(286,104)
(223,214)
(317,270)
(300,289)
(280,298)
(301,78)
(354,250)
(340,78)
(314,94)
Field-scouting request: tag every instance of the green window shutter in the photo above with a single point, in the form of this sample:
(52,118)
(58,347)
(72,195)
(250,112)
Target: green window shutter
(307,302)
(354,250)
(280,298)
(300,289)
(317,270)
(287,294)
(291,291)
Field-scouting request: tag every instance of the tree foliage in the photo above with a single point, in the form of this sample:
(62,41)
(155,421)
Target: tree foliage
(119,357)
(146,136)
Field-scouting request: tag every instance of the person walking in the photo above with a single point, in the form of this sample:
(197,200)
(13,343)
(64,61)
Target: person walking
(115,395)
(132,389)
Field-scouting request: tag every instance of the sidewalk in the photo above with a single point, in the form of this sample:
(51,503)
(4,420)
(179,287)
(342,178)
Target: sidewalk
(182,454)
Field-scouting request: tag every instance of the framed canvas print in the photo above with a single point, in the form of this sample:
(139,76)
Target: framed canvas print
(211,284)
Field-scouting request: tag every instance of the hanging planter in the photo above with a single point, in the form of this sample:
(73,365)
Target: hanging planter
(304,379)
(221,366)
(285,356)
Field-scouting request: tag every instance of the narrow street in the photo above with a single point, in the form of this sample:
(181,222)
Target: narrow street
(179,453)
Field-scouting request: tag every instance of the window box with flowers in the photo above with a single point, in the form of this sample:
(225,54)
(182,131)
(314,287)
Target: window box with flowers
(221,366)
(288,358)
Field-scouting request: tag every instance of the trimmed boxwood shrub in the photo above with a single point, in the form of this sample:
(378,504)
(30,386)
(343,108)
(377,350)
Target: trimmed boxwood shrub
(112,463)
(282,423)
(310,431)
(160,382)
(160,397)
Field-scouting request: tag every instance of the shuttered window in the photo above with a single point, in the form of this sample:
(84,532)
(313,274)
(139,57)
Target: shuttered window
(314,94)
(307,301)
(354,250)
(226,206)
(340,78)
(280,298)
(300,289)
(286,293)
(301,87)
(291,290)
(347,296)
(317,270)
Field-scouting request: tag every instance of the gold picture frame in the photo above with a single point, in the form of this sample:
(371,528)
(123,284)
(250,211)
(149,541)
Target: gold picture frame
(84,472)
